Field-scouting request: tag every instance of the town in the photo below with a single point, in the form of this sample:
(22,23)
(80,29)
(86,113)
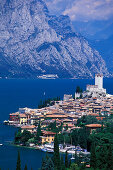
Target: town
(63,117)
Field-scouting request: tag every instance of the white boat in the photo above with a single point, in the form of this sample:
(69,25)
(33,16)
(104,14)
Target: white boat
(71,152)
(1,144)
(63,150)
(50,150)
(6,122)
(72,158)
(44,150)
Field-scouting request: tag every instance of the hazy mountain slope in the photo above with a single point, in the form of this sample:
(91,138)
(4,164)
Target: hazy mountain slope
(95,30)
(105,47)
(32,43)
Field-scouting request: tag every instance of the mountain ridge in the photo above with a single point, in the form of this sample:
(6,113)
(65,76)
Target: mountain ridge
(32,42)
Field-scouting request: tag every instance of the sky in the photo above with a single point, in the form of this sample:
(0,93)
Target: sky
(92,18)
(82,10)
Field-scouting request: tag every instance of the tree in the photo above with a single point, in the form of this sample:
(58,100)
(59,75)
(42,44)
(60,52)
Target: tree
(109,158)
(81,96)
(66,128)
(47,164)
(52,127)
(50,164)
(69,164)
(43,163)
(66,159)
(38,132)
(74,167)
(62,163)
(18,136)
(86,120)
(26,135)
(93,156)
(25,167)
(56,153)
(77,159)
(18,166)
(78,90)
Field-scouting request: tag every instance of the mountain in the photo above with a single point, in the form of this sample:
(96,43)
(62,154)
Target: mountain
(33,42)
(105,47)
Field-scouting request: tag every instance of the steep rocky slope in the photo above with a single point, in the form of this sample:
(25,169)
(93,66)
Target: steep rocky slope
(32,43)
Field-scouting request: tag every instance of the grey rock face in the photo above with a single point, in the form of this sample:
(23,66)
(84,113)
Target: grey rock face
(32,43)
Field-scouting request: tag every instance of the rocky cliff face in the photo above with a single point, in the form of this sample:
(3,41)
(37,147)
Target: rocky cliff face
(33,43)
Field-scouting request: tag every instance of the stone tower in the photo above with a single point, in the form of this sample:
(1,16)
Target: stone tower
(99,81)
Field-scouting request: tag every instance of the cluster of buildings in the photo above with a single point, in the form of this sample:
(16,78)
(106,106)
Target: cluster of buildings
(94,102)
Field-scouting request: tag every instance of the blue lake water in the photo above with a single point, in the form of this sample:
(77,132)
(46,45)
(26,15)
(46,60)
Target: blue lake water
(28,93)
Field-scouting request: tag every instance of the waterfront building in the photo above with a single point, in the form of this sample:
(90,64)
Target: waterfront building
(22,119)
(68,97)
(30,128)
(48,137)
(14,117)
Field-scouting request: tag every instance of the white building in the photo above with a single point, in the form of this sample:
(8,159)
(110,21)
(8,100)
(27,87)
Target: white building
(77,95)
(97,89)
(99,81)
(67,97)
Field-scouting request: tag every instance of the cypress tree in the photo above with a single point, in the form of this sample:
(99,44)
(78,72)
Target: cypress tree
(78,89)
(56,153)
(50,164)
(93,156)
(69,164)
(66,159)
(25,167)
(44,164)
(47,164)
(18,166)
(62,163)
(109,160)
(76,158)
(38,132)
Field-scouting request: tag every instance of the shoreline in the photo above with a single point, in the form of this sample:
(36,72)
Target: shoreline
(61,152)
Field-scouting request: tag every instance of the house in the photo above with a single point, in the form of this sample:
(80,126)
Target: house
(92,127)
(55,116)
(47,137)
(69,125)
(30,128)
(14,117)
(22,119)
(66,121)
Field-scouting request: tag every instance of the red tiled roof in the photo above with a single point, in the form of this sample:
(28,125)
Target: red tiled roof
(22,115)
(28,127)
(48,133)
(56,116)
(100,118)
(94,114)
(94,125)
(15,114)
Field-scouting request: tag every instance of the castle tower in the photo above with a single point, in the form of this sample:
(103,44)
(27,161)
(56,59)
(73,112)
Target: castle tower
(99,81)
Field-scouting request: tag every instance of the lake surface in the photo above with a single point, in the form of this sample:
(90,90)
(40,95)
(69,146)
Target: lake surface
(28,93)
